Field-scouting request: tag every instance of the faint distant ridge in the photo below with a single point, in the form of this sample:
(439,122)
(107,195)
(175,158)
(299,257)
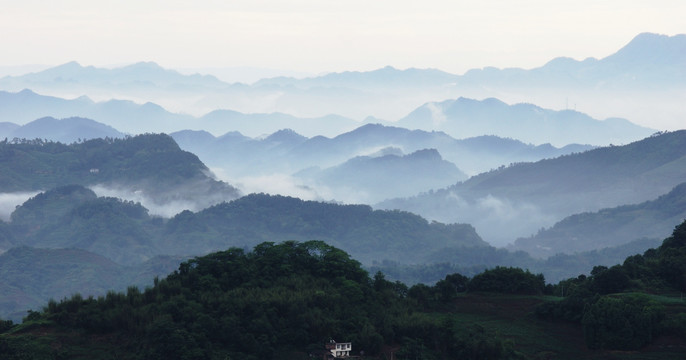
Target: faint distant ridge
(385,77)
(664,56)
(462,118)
(638,83)
(139,74)
(135,118)
(648,59)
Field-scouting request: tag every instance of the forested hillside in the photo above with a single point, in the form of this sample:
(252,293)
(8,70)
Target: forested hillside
(74,217)
(404,246)
(151,164)
(365,233)
(286,300)
(516,201)
(123,232)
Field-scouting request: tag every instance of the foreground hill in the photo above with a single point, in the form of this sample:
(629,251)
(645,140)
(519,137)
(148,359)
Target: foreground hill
(287,300)
(152,167)
(518,200)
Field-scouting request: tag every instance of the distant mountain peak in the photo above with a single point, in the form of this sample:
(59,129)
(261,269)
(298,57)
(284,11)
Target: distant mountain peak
(147,64)
(69,65)
(285,135)
(425,154)
(654,49)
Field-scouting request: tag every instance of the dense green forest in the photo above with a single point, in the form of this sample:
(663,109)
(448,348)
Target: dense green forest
(403,246)
(153,163)
(73,216)
(286,300)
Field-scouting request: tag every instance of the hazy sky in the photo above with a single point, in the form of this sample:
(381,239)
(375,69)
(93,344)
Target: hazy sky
(316,36)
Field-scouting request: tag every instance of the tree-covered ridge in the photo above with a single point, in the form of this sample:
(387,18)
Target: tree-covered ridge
(630,320)
(153,163)
(72,216)
(365,233)
(285,300)
(277,301)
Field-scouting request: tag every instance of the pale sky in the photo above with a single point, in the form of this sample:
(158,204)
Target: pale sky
(316,36)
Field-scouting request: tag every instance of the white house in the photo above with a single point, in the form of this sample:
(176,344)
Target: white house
(338,350)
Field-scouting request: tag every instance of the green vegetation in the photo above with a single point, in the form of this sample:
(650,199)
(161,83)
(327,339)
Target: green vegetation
(72,216)
(151,162)
(357,229)
(629,321)
(286,300)
(508,280)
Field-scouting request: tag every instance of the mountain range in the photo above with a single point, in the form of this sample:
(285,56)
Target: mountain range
(305,161)
(134,118)
(518,200)
(649,59)
(463,118)
(642,82)
(316,165)
(107,205)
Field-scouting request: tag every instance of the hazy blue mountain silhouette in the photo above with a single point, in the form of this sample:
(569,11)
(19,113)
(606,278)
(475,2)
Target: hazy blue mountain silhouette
(526,122)
(374,178)
(134,118)
(518,200)
(141,74)
(243,155)
(609,227)
(648,59)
